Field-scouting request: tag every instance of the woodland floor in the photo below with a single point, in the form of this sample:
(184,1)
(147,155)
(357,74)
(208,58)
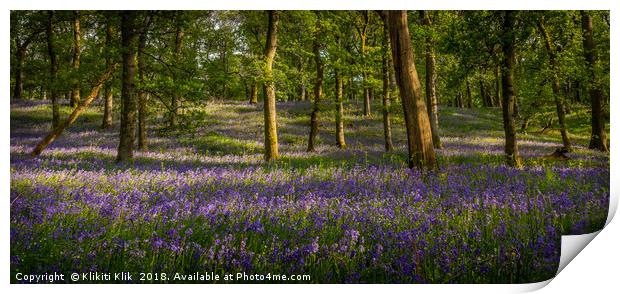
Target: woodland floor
(202,199)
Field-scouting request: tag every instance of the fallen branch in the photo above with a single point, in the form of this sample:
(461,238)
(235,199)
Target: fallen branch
(76,112)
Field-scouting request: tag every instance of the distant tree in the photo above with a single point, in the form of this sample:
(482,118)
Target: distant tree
(419,136)
(598,139)
(555,82)
(53,77)
(271,130)
(107,92)
(431,79)
(75,63)
(318,84)
(142,94)
(387,74)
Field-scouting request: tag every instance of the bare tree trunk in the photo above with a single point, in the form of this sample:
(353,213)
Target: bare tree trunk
(339,111)
(363,36)
(75,114)
(431,78)
(387,89)
(51,51)
(128,114)
(107,110)
(318,89)
(598,139)
(498,86)
(555,85)
(469,101)
(178,45)
(271,130)
(75,91)
(254,92)
(142,95)
(18,91)
(419,136)
(508,109)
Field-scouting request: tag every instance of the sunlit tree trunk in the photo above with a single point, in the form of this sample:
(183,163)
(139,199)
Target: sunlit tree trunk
(107,110)
(555,84)
(508,59)
(129,105)
(419,136)
(178,46)
(598,139)
(469,102)
(75,114)
(339,111)
(498,86)
(51,51)
(254,92)
(77,35)
(271,131)
(387,89)
(431,80)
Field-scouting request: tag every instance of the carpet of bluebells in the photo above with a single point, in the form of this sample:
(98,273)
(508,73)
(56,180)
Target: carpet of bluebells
(207,202)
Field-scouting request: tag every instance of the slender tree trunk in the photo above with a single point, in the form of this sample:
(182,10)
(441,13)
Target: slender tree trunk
(178,45)
(363,37)
(469,96)
(598,139)
(142,95)
(339,111)
(318,89)
(107,110)
(75,91)
(18,91)
(419,136)
(271,130)
(555,84)
(387,89)
(431,78)
(498,86)
(128,114)
(75,114)
(51,51)
(508,47)
(254,92)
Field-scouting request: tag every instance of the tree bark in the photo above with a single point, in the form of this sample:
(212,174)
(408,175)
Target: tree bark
(142,95)
(75,114)
(128,114)
(469,101)
(498,86)
(271,131)
(431,78)
(75,91)
(51,51)
(419,136)
(318,89)
(598,138)
(18,91)
(339,111)
(508,110)
(387,89)
(107,110)
(254,92)
(555,84)
(178,46)
(363,32)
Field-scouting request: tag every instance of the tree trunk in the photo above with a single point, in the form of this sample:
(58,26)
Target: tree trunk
(387,89)
(75,114)
(51,51)
(419,136)
(431,78)
(142,95)
(508,109)
(271,131)
(75,91)
(128,114)
(469,101)
(598,139)
(254,92)
(107,110)
(555,85)
(498,86)
(363,37)
(18,91)
(178,45)
(318,89)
